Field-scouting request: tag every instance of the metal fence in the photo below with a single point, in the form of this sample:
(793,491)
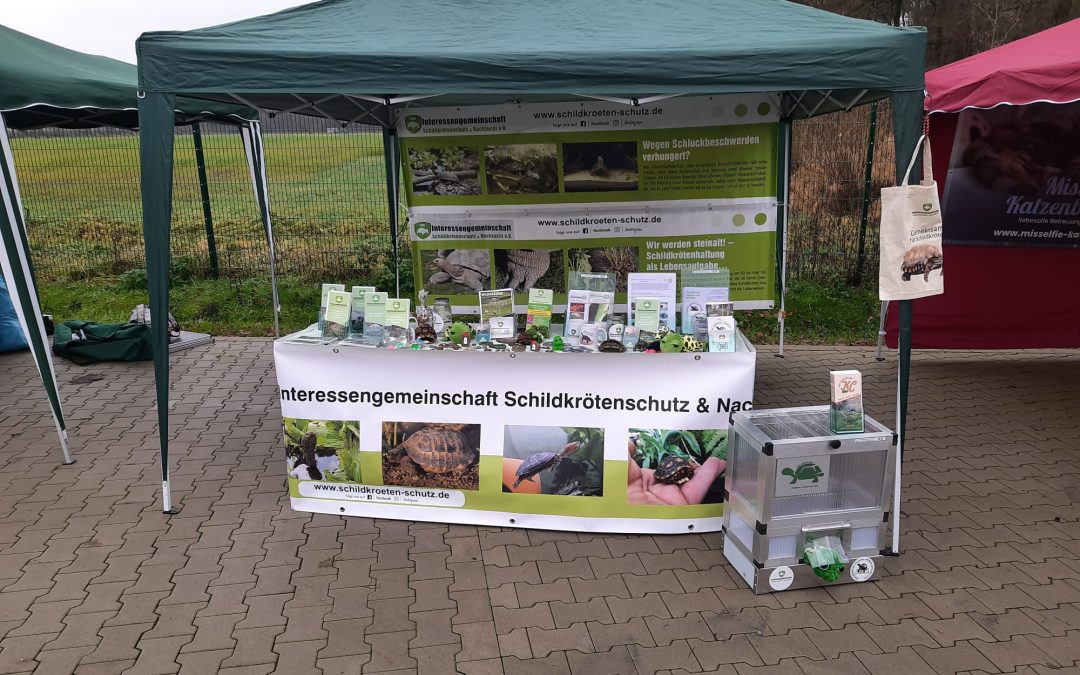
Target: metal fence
(328,200)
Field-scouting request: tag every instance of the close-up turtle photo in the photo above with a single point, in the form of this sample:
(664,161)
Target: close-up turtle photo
(676,466)
(566,461)
(431,455)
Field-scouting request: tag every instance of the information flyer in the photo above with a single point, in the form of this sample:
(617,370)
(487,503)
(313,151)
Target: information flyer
(521,195)
(548,440)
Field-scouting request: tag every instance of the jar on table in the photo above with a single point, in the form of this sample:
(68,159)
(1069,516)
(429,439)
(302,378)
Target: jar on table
(443,316)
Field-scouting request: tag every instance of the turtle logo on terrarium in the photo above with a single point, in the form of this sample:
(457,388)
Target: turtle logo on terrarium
(807,471)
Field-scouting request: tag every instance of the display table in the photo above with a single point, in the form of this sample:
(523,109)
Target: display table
(577,441)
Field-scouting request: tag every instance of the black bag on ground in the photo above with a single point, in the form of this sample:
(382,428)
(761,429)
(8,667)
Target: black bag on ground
(85,342)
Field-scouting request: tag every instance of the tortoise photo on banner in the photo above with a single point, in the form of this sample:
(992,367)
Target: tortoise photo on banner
(327,450)
(435,454)
(445,171)
(456,271)
(676,466)
(564,461)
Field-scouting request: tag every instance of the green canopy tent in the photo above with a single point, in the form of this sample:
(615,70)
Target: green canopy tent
(44,85)
(366,60)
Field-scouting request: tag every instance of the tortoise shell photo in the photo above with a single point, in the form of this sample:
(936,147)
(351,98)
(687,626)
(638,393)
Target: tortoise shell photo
(445,455)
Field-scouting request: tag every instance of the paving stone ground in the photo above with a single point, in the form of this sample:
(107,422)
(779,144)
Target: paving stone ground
(95,579)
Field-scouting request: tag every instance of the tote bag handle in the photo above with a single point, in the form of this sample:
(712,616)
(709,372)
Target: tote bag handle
(928,161)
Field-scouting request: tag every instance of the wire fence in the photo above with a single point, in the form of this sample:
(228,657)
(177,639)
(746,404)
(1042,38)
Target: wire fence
(328,200)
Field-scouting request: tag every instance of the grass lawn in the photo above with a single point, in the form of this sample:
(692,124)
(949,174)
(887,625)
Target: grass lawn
(817,314)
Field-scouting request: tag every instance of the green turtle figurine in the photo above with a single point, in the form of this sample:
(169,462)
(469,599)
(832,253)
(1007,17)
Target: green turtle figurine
(458,332)
(671,342)
(557,344)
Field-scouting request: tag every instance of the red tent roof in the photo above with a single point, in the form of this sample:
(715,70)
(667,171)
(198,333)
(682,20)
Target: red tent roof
(1041,67)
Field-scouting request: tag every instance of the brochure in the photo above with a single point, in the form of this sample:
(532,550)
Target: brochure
(496,303)
(397,312)
(336,319)
(659,285)
(501,327)
(721,326)
(375,308)
(590,297)
(846,412)
(647,316)
(539,311)
(326,288)
(698,288)
(356,319)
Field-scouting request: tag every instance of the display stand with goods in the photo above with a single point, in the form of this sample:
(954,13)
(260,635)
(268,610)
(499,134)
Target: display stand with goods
(805,506)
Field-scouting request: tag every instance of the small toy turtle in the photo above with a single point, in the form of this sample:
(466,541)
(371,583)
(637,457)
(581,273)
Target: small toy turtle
(675,470)
(692,344)
(611,347)
(671,342)
(439,449)
(537,462)
(425,332)
(458,332)
(805,471)
(557,344)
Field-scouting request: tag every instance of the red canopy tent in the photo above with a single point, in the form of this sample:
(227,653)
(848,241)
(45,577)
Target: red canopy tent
(1002,291)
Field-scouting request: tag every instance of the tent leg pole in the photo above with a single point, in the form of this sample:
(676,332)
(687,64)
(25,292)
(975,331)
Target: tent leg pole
(785,182)
(902,381)
(204,192)
(881,330)
(17,267)
(156,140)
(255,152)
(390,152)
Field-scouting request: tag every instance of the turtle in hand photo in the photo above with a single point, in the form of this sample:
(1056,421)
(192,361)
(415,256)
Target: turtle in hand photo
(537,462)
(675,470)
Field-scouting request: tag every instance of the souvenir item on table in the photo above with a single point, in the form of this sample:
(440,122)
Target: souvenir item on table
(425,316)
(590,296)
(442,316)
(501,328)
(539,309)
(660,285)
(458,333)
(672,342)
(692,344)
(721,326)
(356,316)
(630,336)
(557,344)
(375,308)
(397,312)
(326,288)
(647,314)
(495,303)
(589,336)
(611,347)
(336,316)
(846,413)
(700,287)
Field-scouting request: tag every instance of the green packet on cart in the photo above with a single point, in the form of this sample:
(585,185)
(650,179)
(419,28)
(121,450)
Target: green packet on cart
(541,301)
(336,320)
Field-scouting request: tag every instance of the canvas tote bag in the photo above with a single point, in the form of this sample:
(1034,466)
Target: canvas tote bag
(911,253)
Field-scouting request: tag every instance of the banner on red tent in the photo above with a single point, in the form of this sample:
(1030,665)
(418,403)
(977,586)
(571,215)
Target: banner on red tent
(1014,177)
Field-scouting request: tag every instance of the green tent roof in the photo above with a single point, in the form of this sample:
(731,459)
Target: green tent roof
(527,48)
(42,84)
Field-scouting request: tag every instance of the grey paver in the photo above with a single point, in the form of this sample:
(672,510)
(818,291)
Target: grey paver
(94,579)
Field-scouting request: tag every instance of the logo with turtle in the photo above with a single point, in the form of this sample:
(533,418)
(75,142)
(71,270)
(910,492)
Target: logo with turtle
(414,123)
(422,230)
(807,471)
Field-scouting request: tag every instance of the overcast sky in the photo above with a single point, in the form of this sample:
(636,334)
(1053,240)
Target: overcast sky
(110,27)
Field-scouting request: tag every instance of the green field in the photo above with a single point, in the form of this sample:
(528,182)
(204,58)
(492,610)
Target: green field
(327,196)
(328,200)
